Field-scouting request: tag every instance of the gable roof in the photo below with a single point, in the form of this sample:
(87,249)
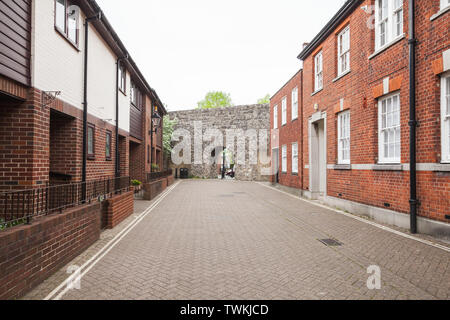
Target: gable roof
(343,12)
(91,8)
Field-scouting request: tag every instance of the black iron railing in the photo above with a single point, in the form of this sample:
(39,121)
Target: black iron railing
(22,206)
(158,175)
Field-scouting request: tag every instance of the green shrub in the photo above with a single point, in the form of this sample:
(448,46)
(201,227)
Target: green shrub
(136,183)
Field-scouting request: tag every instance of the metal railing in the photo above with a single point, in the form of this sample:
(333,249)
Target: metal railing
(158,175)
(22,206)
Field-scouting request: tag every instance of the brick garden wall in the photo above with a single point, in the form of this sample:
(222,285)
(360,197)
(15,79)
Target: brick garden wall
(117,209)
(154,188)
(29,254)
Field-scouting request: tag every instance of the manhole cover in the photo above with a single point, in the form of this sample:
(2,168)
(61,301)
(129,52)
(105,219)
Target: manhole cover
(330,242)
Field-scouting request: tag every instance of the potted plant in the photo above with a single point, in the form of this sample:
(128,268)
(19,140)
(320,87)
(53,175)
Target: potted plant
(137,185)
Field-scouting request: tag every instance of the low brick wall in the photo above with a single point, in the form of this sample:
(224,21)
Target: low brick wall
(154,188)
(170,180)
(29,254)
(117,209)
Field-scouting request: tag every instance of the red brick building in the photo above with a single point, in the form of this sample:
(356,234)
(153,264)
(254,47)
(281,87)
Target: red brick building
(46,88)
(356,113)
(286,118)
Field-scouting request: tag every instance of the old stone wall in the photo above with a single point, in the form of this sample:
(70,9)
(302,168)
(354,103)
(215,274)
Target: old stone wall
(248,117)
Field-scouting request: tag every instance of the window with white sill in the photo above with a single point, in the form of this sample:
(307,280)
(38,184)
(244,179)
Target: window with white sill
(275,117)
(389,129)
(284,111)
(318,72)
(67,20)
(295,158)
(445,4)
(344,51)
(295,104)
(344,137)
(388,21)
(284,159)
(445,117)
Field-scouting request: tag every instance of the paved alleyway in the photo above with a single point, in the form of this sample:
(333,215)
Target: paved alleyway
(237,240)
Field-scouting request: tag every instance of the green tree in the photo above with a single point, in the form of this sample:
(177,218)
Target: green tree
(168,129)
(264,100)
(215,99)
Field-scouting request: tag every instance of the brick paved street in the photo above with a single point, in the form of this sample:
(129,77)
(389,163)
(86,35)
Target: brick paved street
(238,240)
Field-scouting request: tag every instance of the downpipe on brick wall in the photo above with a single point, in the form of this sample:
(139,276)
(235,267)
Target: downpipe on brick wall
(412,119)
(98,16)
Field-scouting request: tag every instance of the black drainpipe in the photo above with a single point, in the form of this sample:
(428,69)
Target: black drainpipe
(117,154)
(85,100)
(412,118)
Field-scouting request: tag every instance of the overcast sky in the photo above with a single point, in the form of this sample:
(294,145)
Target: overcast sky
(247,48)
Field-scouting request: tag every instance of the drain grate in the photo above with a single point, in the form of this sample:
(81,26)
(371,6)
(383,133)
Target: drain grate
(331,242)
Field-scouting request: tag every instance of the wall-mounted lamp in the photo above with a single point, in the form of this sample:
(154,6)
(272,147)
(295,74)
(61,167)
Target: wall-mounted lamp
(156,121)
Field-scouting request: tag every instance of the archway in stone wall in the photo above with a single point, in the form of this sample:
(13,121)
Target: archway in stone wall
(201,127)
(224,165)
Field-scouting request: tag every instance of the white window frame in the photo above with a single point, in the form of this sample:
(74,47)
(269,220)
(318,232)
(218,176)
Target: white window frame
(393,126)
(445,4)
(445,117)
(284,111)
(284,159)
(294,104)
(387,18)
(295,158)
(344,51)
(275,117)
(344,137)
(58,16)
(318,71)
